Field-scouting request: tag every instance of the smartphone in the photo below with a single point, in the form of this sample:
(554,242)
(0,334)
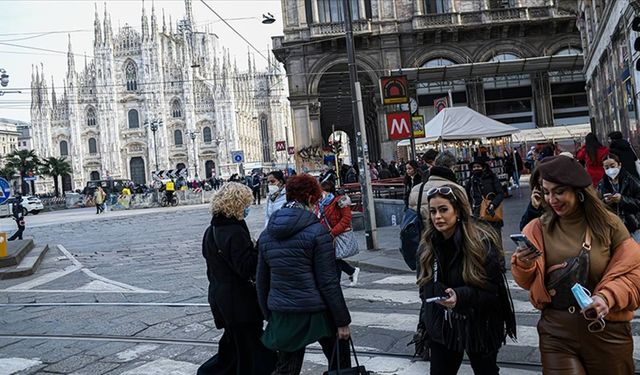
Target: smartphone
(522,241)
(435,299)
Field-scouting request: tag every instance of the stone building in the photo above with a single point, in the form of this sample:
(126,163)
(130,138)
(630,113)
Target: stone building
(103,116)
(610,65)
(8,137)
(518,61)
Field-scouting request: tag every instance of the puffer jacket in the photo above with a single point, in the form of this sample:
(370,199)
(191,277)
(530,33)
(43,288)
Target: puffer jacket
(337,215)
(297,267)
(629,207)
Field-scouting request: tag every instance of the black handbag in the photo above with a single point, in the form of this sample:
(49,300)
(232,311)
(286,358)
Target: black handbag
(358,370)
(561,277)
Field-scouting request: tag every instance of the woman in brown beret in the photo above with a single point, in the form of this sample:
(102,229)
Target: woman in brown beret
(578,241)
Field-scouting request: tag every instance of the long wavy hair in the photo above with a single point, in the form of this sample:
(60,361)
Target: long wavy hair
(474,237)
(592,144)
(595,213)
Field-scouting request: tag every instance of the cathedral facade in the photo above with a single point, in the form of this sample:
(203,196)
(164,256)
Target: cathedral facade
(159,99)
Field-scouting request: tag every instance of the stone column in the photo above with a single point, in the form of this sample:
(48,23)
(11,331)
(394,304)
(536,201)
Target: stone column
(314,11)
(542,106)
(315,129)
(475,95)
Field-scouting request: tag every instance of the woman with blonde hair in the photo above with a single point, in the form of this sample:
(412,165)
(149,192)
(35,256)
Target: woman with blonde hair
(231,268)
(579,248)
(466,303)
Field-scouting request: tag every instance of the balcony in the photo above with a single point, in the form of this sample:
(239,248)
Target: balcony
(337,28)
(489,16)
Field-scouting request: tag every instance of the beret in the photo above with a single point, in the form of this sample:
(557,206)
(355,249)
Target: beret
(564,171)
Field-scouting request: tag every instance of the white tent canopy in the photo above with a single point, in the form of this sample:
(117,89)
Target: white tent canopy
(575,132)
(462,123)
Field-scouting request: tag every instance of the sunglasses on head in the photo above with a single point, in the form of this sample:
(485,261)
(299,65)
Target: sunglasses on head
(442,190)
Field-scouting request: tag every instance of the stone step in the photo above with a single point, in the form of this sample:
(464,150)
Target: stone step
(16,250)
(27,266)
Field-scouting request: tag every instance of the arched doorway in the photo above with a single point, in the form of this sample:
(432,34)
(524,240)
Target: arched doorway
(66,183)
(137,171)
(94,176)
(334,93)
(181,166)
(210,168)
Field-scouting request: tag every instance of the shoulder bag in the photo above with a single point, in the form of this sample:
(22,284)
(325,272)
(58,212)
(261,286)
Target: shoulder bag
(358,370)
(561,277)
(411,231)
(484,215)
(346,243)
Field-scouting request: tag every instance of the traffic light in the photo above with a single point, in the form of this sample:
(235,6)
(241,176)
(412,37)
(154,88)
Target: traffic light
(635,26)
(336,147)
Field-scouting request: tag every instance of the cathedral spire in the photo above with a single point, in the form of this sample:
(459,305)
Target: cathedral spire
(154,21)
(145,24)
(53,93)
(189,14)
(97,37)
(71,65)
(170,25)
(108,35)
(249,59)
(164,22)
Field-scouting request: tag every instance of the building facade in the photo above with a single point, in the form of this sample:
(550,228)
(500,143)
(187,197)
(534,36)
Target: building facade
(487,39)
(8,137)
(158,98)
(610,65)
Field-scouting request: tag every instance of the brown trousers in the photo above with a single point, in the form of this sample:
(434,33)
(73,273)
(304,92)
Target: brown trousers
(568,348)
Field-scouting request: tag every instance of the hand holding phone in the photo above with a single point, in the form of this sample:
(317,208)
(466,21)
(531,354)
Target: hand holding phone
(526,252)
(435,299)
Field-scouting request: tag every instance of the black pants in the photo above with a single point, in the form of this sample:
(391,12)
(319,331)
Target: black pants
(18,235)
(240,351)
(256,195)
(345,267)
(99,208)
(447,362)
(290,363)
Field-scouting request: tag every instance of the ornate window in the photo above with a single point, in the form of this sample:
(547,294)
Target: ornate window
(64,148)
(131,76)
(176,109)
(206,134)
(93,146)
(134,121)
(91,117)
(330,11)
(177,137)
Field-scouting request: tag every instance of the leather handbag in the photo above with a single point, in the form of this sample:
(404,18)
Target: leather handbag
(561,277)
(484,215)
(358,370)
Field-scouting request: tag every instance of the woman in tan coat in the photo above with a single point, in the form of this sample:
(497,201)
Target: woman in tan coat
(577,240)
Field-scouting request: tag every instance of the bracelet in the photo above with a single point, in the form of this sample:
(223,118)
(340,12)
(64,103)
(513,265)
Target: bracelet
(606,301)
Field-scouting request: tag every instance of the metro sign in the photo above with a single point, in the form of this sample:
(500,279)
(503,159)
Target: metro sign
(399,125)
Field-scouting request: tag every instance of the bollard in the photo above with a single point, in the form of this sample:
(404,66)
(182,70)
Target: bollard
(3,244)
(394,221)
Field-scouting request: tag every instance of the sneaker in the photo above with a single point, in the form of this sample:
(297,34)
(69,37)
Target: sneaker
(354,278)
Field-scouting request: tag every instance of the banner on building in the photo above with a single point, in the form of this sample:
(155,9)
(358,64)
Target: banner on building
(440,104)
(281,146)
(417,125)
(398,125)
(394,90)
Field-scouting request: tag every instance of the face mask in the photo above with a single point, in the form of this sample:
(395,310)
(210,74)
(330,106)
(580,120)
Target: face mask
(273,189)
(582,295)
(246,212)
(477,172)
(612,172)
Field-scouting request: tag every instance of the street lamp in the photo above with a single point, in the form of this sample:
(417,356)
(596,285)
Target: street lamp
(154,125)
(268,19)
(4,78)
(193,136)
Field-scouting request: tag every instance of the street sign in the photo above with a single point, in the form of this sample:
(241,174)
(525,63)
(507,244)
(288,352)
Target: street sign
(291,150)
(34,178)
(394,90)
(417,125)
(5,190)
(281,146)
(237,156)
(399,125)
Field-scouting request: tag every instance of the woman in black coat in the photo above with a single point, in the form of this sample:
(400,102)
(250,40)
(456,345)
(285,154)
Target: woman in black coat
(412,178)
(621,193)
(484,184)
(231,268)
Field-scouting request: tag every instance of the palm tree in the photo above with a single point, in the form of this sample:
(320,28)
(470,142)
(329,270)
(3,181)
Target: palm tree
(56,167)
(7,172)
(24,161)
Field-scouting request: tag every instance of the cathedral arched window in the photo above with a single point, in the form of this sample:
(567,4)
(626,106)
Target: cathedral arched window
(131,76)
(176,109)
(206,134)
(134,121)
(93,146)
(177,137)
(91,117)
(64,148)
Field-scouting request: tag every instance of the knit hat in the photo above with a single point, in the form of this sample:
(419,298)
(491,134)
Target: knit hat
(564,171)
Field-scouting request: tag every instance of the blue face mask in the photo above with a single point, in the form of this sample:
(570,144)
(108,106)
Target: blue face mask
(246,212)
(582,295)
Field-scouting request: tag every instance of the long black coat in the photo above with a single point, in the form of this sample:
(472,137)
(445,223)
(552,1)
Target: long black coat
(629,207)
(623,150)
(297,267)
(230,267)
(481,186)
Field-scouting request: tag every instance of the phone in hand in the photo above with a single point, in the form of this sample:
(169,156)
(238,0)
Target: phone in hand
(522,242)
(436,299)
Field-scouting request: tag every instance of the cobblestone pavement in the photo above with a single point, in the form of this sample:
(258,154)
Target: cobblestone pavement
(125,293)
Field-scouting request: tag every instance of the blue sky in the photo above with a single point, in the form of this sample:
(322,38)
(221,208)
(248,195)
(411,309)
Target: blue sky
(25,21)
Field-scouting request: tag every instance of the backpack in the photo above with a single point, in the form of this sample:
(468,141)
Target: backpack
(410,232)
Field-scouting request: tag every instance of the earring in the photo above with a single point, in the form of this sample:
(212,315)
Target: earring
(458,219)
(581,196)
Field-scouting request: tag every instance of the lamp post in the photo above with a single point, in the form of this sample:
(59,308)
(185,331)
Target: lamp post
(193,136)
(154,125)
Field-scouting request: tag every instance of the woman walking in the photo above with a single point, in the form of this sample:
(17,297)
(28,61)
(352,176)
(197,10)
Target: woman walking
(99,197)
(276,195)
(231,265)
(621,193)
(591,155)
(413,177)
(463,262)
(298,287)
(577,240)
(335,213)
(484,184)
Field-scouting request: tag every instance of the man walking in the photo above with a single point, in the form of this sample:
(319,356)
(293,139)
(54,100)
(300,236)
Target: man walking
(18,216)
(255,186)
(99,197)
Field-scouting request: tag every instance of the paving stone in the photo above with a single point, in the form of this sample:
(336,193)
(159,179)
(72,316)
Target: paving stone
(71,364)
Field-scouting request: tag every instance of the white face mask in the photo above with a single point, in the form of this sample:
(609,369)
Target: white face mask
(612,172)
(273,189)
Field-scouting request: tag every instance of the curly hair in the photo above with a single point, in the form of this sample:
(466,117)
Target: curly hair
(304,189)
(231,200)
